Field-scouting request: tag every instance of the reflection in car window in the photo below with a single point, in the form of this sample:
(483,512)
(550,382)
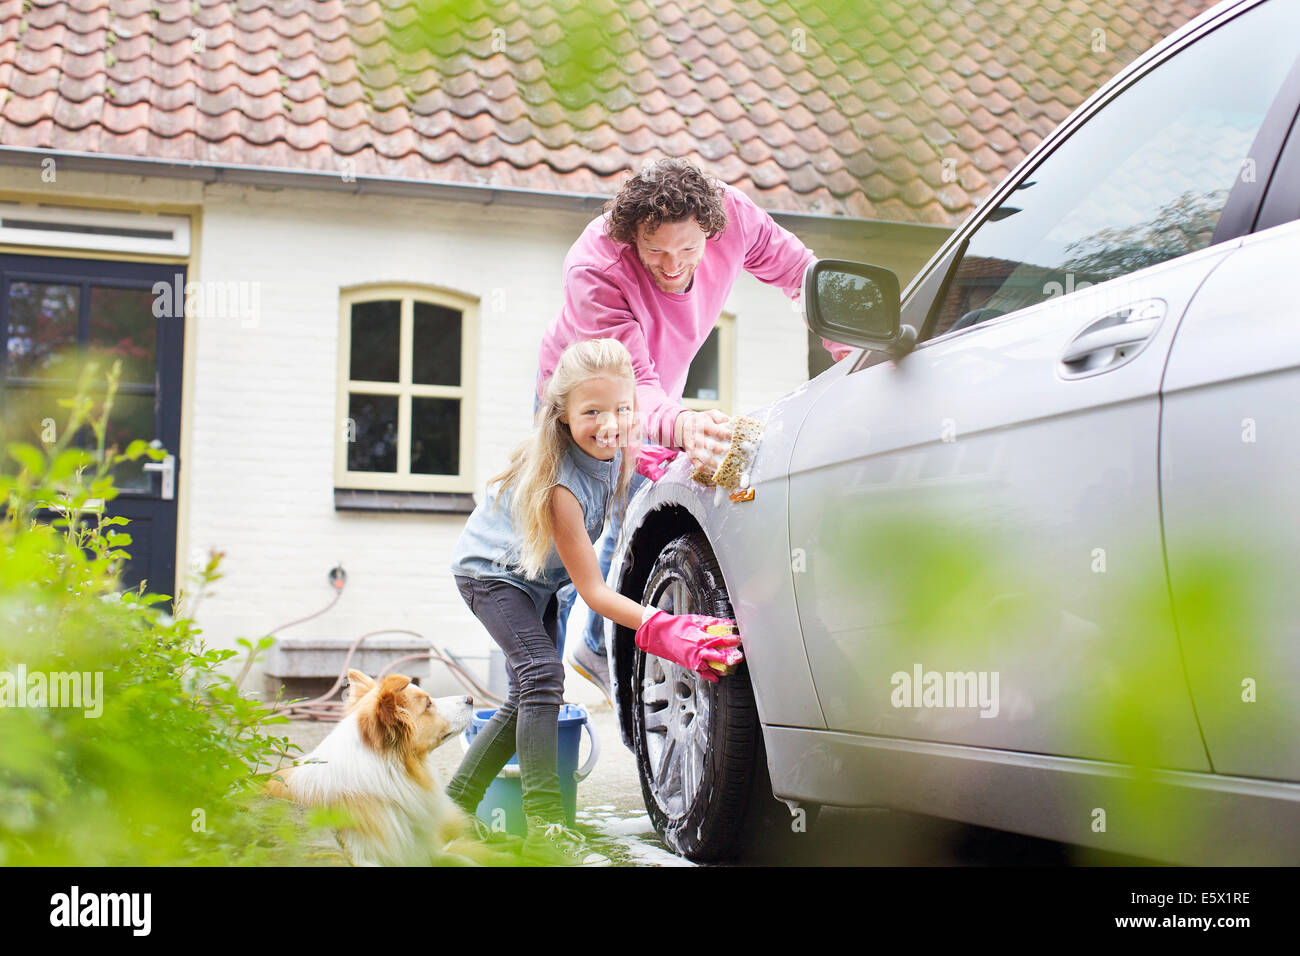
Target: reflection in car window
(1142,181)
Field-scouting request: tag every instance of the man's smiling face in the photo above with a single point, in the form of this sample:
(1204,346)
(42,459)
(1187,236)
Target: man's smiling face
(671,253)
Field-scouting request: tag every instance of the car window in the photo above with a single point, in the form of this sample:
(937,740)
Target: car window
(1144,180)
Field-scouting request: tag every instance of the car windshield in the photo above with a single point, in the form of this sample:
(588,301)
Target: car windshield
(1143,181)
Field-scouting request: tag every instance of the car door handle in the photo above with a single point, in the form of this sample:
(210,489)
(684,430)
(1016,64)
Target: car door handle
(1113,339)
(1130,333)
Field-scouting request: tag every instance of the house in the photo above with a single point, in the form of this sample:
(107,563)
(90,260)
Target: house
(326,247)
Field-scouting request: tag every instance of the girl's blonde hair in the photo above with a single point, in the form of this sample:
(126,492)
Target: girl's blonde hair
(535,463)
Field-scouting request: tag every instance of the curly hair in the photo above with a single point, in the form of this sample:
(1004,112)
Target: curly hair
(666,190)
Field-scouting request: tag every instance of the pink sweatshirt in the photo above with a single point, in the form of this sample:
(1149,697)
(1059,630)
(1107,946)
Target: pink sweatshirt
(609,293)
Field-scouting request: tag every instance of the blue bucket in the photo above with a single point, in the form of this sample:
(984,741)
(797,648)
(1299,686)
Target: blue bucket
(504,797)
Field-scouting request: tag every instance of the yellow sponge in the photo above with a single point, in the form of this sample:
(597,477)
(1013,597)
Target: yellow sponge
(739,459)
(717,630)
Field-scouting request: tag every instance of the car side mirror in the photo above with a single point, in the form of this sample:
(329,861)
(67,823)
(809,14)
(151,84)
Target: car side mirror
(856,304)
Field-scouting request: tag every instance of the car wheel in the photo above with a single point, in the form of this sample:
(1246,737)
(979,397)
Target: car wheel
(695,742)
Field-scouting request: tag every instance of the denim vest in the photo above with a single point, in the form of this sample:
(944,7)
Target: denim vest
(489,540)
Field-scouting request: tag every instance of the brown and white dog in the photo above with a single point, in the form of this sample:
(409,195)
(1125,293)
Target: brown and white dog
(375,766)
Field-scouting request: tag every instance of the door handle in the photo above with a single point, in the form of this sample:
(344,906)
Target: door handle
(167,467)
(1113,339)
(1114,336)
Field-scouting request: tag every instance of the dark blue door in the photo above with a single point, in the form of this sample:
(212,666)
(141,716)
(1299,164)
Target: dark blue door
(59,312)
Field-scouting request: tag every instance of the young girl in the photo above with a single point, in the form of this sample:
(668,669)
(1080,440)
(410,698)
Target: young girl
(528,538)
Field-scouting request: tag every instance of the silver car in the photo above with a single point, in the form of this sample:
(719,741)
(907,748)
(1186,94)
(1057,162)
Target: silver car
(1027,561)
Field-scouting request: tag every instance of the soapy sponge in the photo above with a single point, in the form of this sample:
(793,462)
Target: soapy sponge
(732,472)
(717,630)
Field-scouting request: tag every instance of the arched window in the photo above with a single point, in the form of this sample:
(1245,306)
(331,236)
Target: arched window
(406,395)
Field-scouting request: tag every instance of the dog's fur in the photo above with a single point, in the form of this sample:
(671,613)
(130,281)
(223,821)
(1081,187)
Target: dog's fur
(375,766)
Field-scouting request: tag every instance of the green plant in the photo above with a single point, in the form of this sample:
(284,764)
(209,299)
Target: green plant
(163,760)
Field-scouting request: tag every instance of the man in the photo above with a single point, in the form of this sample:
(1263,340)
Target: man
(654,271)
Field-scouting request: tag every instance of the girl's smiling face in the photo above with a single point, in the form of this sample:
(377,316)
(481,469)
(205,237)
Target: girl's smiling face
(599,415)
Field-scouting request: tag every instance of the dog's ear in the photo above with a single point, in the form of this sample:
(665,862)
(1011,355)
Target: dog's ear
(358,686)
(388,723)
(393,684)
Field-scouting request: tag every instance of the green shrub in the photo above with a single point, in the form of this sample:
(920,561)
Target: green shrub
(170,770)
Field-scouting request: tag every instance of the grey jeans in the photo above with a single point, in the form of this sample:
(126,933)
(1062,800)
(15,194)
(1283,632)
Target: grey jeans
(528,722)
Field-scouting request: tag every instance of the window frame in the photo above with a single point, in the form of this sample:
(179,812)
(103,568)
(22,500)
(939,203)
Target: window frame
(1281,196)
(402,480)
(726,370)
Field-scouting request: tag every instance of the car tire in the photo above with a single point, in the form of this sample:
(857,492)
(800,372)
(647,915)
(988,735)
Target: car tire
(696,743)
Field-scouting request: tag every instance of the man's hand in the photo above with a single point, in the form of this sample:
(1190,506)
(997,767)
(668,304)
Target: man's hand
(705,436)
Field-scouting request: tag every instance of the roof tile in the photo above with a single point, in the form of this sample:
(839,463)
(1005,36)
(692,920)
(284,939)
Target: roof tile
(849,117)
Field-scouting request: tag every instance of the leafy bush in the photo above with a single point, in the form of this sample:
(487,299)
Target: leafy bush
(171,769)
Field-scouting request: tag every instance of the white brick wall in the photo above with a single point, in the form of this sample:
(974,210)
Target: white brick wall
(259,475)
(264,404)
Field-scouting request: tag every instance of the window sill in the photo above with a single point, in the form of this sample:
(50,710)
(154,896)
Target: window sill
(428,502)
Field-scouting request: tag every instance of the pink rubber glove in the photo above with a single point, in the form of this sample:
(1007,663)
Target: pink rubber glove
(681,638)
(652,460)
